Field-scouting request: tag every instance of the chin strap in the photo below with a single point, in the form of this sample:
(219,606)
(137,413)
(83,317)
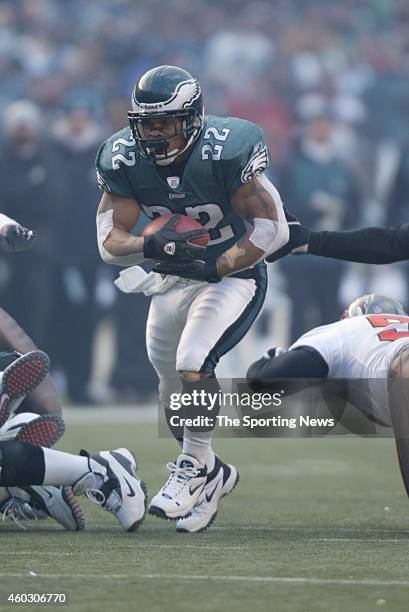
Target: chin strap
(172,155)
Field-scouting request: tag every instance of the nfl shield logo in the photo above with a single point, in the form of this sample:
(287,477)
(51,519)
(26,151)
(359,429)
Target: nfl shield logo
(173,181)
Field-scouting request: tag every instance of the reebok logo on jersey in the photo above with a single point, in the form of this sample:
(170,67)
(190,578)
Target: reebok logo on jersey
(173,181)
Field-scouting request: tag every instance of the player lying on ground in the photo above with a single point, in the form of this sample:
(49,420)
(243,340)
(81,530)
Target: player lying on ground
(372,245)
(108,478)
(21,377)
(371,344)
(172,158)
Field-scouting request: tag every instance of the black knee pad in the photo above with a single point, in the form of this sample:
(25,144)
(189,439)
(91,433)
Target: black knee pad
(21,464)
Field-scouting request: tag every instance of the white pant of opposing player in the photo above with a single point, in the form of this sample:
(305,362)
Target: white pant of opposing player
(191,326)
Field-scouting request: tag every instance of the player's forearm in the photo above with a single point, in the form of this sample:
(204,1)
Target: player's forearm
(259,203)
(120,243)
(241,255)
(122,248)
(267,237)
(373,245)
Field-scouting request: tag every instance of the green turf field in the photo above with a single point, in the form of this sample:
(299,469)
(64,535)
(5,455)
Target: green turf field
(318,524)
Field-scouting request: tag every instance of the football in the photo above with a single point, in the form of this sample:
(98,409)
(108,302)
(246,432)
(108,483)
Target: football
(184,224)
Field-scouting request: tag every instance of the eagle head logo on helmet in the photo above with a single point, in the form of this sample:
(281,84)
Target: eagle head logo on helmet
(172,95)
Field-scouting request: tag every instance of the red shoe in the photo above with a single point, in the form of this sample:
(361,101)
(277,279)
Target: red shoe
(40,430)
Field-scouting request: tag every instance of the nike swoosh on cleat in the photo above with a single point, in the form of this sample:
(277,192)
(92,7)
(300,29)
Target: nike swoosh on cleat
(210,497)
(191,491)
(131,491)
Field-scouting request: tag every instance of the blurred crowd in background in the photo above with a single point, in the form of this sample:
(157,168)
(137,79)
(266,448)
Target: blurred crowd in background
(328,82)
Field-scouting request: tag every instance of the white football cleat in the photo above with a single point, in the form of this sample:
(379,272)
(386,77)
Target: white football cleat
(182,491)
(39,430)
(120,490)
(57,502)
(220,482)
(20,378)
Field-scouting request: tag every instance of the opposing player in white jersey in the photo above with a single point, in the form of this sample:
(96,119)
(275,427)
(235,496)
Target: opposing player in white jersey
(173,158)
(369,350)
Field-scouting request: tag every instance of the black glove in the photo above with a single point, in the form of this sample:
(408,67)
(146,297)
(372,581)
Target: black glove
(197,270)
(168,245)
(15,238)
(299,237)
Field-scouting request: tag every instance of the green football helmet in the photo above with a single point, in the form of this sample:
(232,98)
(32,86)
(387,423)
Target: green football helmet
(166,92)
(373,303)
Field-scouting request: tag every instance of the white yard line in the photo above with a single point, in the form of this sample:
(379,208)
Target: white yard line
(377,540)
(140,545)
(376,533)
(256,546)
(262,579)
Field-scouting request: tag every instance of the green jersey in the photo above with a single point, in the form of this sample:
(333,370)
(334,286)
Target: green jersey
(227,154)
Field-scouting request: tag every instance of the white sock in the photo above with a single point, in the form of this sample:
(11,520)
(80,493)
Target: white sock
(63,468)
(197,444)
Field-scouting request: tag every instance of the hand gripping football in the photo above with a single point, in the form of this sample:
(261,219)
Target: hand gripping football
(183,224)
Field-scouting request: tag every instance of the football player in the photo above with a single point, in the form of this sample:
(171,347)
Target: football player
(107,478)
(13,339)
(173,158)
(25,366)
(26,386)
(370,347)
(43,477)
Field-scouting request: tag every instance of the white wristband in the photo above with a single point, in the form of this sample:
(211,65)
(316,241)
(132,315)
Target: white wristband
(264,233)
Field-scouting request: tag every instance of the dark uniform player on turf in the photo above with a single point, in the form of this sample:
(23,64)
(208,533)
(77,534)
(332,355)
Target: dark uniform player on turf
(14,342)
(33,477)
(172,158)
(26,387)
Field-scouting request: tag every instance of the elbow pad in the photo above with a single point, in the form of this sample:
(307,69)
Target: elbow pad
(269,235)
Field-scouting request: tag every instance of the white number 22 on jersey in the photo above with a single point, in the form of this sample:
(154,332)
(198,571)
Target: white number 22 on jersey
(209,215)
(214,151)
